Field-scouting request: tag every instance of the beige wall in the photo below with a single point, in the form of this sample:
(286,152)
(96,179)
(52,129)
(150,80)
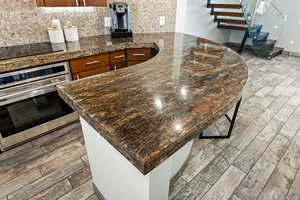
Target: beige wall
(22,22)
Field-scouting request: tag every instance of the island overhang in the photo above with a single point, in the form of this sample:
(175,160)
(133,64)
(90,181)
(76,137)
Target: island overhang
(149,111)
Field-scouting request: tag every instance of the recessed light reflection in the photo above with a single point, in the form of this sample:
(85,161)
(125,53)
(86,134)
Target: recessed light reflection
(183,92)
(158,103)
(178,127)
(205,46)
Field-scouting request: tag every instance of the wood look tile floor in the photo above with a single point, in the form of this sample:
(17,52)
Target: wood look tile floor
(261,161)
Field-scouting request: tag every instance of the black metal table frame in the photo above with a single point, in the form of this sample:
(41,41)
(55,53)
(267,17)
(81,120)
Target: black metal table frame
(232,122)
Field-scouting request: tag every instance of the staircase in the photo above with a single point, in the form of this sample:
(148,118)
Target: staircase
(236,17)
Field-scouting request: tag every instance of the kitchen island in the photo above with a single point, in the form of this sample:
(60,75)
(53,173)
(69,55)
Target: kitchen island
(139,122)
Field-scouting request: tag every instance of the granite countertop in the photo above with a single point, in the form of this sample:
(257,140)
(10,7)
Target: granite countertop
(71,50)
(150,110)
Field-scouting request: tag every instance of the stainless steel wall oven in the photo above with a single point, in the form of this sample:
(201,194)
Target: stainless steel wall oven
(30,105)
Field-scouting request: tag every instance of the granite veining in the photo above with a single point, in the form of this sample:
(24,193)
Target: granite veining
(150,110)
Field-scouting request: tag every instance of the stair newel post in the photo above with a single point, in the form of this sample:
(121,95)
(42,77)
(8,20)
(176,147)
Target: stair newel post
(246,35)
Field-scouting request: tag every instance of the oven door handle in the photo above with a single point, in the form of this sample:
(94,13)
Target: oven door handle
(29,93)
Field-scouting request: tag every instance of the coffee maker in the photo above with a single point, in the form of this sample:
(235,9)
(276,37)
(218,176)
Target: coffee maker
(119,12)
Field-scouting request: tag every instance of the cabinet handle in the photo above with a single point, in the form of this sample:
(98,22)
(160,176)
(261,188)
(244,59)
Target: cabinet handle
(122,56)
(94,62)
(138,54)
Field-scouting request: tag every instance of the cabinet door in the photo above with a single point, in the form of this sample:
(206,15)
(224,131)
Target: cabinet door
(61,3)
(118,57)
(130,63)
(100,3)
(138,54)
(88,66)
(89,63)
(71,3)
(117,66)
(92,72)
(40,3)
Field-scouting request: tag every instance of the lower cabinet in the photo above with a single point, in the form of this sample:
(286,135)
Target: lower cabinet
(92,65)
(117,66)
(71,3)
(88,73)
(134,62)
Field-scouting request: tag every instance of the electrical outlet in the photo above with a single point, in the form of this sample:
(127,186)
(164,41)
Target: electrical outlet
(162,20)
(107,22)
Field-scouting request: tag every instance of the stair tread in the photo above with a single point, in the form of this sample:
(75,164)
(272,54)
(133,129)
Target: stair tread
(265,42)
(262,36)
(231,14)
(230,21)
(276,51)
(239,28)
(219,5)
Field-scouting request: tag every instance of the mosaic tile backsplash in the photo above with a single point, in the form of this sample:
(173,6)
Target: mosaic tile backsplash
(22,22)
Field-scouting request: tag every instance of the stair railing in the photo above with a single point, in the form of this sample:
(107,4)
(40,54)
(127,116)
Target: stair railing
(248,10)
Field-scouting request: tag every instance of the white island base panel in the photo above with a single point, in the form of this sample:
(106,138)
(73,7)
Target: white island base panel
(117,179)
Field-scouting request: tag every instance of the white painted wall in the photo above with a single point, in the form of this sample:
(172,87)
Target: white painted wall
(193,17)
(291,29)
(289,38)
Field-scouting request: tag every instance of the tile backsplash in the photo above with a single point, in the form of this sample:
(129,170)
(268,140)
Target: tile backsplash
(21,22)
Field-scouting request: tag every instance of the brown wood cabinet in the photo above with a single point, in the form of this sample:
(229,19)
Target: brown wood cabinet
(71,3)
(88,66)
(118,59)
(136,56)
(96,3)
(88,73)
(40,3)
(84,67)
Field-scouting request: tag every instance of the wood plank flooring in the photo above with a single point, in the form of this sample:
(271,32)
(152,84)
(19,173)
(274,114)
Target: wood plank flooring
(261,161)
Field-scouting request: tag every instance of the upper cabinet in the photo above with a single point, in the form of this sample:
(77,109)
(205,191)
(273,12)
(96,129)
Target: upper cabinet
(71,3)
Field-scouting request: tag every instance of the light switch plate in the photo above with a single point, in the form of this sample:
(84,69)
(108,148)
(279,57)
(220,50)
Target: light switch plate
(162,20)
(161,43)
(107,22)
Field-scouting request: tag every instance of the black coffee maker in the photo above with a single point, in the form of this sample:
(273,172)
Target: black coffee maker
(120,20)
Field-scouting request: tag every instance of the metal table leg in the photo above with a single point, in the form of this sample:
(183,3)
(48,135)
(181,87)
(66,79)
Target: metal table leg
(232,122)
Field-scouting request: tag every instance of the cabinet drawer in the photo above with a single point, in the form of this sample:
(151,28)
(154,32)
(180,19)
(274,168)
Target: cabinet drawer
(118,57)
(138,54)
(101,3)
(119,66)
(92,72)
(130,63)
(89,63)
(60,3)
